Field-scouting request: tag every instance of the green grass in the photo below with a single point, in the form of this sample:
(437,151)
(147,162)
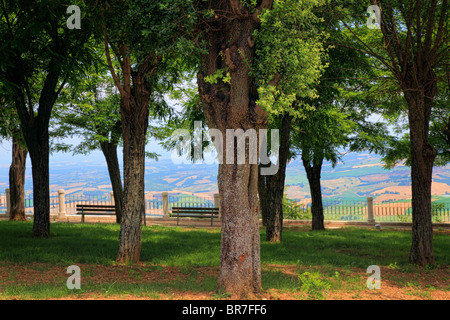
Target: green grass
(334,252)
(177,246)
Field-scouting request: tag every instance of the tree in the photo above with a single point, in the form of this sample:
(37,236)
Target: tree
(319,137)
(271,187)
(39,55)
(146,39)
(10,128)
(91,110)
(412,44)
(241,73)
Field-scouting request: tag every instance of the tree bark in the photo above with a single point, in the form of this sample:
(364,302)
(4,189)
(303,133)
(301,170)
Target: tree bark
(271,187)
(135,115)
(262,191)
(17,180)
(313,173)
(231,105)
(240,266)
(35,132)
(422,159)
(110,152)
(39,154)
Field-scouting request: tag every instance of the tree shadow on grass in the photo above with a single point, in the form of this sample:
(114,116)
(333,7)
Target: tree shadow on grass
(178,246)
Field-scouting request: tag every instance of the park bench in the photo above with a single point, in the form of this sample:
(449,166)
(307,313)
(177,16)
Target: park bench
(195,212)
(95,210)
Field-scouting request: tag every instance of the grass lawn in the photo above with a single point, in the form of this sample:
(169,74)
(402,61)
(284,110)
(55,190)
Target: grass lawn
(182,263)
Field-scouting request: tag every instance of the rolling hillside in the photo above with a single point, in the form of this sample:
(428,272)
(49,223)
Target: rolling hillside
(358,176)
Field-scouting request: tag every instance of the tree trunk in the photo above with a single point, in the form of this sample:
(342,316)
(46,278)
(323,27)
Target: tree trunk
(313,174)
(17,181)
(134,126)
(231,105)
(110,152)
(38,147)
(271,187)
(35,132)
(262,191)
(240,266)
(422,159)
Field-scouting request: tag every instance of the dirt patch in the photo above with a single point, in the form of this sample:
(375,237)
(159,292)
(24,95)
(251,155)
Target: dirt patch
(348,284)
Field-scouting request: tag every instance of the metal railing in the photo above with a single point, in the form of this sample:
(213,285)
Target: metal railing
(357,210)
(183,200)
(334,209)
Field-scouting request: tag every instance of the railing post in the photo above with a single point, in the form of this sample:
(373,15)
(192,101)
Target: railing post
(62,204)
(165,199)
(370,217)
(217,204)
(8,203)
(112,198)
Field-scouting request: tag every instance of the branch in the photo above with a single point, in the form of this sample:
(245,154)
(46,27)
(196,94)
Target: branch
(265,4)
(111,68)
(236,7)
(439,33)
(371,53)
(429,33)
(408,37)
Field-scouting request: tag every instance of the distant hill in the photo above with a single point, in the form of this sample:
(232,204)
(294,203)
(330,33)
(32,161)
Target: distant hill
(359,175)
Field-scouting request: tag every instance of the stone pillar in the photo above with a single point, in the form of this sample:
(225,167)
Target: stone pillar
(165,199)
(62,204)
(217,204)
(8,203)
(370,217)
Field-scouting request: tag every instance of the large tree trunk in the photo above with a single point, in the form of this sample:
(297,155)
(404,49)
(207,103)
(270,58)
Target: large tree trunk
(134,125)
(271,187)
(17,181)
(240,266)
(313,173)
(232,106)
(422,159)
(110,152)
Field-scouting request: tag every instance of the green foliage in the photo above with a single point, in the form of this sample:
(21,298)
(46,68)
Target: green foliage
(289,55)
(436,209)
(36,41)
(293,210)
(321,134)
(161,31)
(90,110)
(313,284)
(219,74)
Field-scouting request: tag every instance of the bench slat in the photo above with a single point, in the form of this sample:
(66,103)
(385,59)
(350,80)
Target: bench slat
(80,206)
(95,210)
(88,213)
(194,212)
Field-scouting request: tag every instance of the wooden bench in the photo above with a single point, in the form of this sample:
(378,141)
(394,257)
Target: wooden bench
(95,210)
(195,212)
